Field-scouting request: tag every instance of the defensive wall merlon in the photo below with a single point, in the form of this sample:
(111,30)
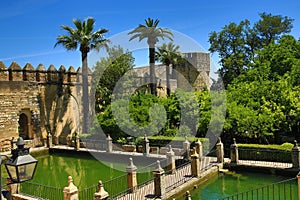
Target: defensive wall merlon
(42,75)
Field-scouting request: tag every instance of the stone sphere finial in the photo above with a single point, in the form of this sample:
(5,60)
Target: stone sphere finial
(295,143)
(234,141)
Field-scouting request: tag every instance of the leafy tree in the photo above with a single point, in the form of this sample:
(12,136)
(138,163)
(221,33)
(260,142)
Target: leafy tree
(271,27)
(264,100)
(84,38)
(168,54)
(110,70)
(152,33)
(237,44)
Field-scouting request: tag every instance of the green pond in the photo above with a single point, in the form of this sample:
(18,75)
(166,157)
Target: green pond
(226,184)
(53,170)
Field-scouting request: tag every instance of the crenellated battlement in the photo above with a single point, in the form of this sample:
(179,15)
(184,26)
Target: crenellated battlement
(41,75)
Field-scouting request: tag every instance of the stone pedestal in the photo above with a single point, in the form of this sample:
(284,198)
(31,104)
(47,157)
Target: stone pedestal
(101,194)
(195,165)
(13,188)
(296,156)
(71,191)
(199,148)
(188,195)
(109,146)
(49,140)
(171,160)
(159,182)
(186,148)
(131,176)
(298,178)
(146,147)
(220,151)
(234,153)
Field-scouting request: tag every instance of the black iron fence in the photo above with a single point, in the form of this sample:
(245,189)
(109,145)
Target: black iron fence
(284,190)
(265,155)
(42,191)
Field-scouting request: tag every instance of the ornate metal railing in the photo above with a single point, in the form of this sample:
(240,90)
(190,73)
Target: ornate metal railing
(42,191)
(265,155)
(284,190)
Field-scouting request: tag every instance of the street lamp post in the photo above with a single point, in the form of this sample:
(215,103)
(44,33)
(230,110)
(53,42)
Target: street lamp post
(21,166)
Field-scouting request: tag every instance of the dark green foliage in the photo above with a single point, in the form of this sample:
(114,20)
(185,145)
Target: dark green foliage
(236,44)
(107,72)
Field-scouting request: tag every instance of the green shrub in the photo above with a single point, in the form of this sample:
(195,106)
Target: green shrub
(283,147)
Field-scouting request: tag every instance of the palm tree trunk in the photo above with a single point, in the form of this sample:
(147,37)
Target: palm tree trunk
(85,92)
(168,79)
(152,69)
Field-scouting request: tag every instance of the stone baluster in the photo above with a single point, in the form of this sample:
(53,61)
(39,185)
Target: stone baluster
(171,160)
(109,146)
(186,148)
(234,153)
(49,140)
(296,156)
(195,165)
(188,195)
(220,151)
(159,182)
(146,147)
(199,148)
(131,176)
(298,179)
(71,191)
(101,194)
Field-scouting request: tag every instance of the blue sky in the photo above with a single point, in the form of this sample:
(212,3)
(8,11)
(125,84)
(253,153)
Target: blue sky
(29,27)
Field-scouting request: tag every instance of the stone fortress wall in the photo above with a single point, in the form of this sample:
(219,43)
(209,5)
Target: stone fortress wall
(38,102)
(35,102)
(200,64)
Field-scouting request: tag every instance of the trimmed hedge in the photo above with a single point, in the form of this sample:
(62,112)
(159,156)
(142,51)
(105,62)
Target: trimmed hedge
(260,152)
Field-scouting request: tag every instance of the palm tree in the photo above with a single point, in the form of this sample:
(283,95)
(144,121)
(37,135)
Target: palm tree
(168,54)
(84,38)
(152,33)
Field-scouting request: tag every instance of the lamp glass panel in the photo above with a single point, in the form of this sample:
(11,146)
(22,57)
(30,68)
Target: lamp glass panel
(26,171)
(12,172)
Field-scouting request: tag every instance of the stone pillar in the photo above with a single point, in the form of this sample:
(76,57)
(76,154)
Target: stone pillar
(146,147)
(49,140)
(171,160)
(186,148)
(234,153)
(220,151)
(159,182)
(77,142)
(71,191)
(195,165)
(131,176)
(109,146)
(188,195)
(199,148)
(298,178)
(101,194)
(13,188)
(296,155)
